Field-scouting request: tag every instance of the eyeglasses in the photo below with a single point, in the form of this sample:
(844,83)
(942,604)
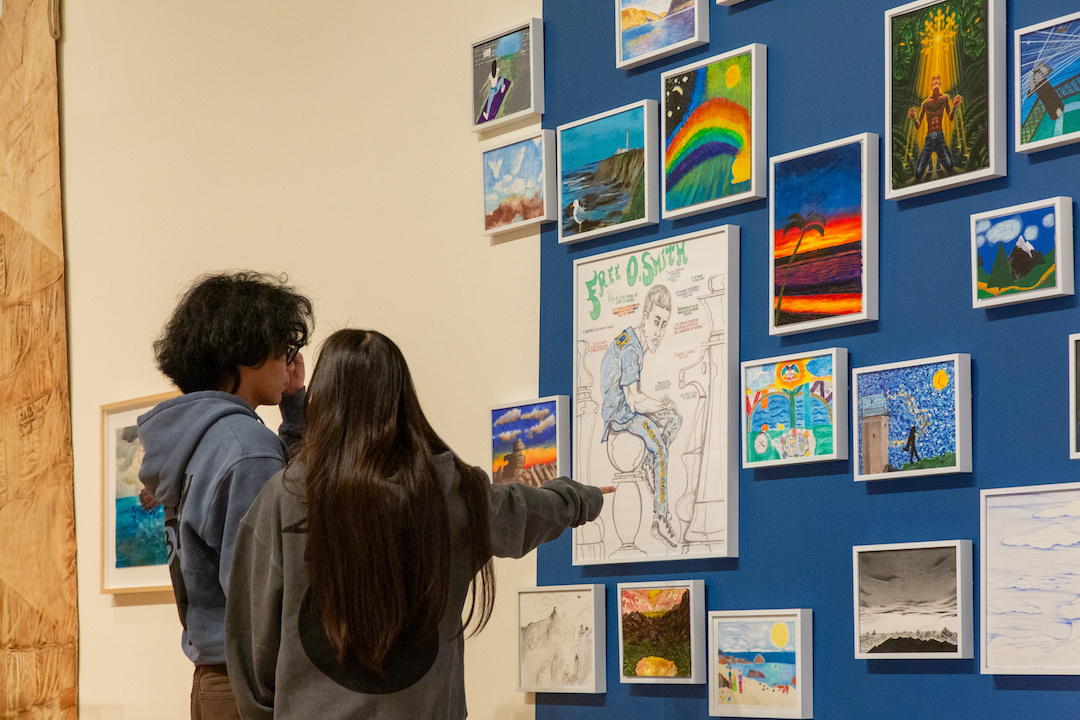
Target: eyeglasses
(290,353)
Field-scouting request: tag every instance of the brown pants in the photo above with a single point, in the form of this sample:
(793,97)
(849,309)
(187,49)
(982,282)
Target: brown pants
(211,695)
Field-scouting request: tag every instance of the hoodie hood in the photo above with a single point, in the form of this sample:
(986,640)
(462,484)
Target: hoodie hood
(171,432)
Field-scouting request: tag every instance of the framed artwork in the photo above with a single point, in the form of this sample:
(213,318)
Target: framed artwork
(794,410)
(1046,58)
(561,639)
(519,181)
(761,663)
(530,441)
(913,601)
(823,214)
(647,30)
(1074,407)
(656,326)
(728,2)
(714,132)
(1030,553)
(944,95)
(134,556)
(913,418)
(1022,253)
(607,172)
(661,633)
(508,76)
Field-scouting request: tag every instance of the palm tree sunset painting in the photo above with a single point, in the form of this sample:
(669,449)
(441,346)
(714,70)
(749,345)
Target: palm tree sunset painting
(824,236)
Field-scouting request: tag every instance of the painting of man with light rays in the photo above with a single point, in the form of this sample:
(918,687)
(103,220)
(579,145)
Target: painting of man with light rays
(940,92)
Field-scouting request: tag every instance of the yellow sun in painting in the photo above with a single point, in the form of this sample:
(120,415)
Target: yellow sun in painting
(941,380)
(779,635)
(733,75)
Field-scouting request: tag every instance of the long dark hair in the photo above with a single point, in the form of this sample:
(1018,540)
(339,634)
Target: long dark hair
(378,529)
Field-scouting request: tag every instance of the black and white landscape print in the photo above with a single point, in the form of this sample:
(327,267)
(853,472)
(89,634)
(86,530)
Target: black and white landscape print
(907,603)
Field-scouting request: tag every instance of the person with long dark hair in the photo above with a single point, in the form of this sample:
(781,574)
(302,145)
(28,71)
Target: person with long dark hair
(355,563)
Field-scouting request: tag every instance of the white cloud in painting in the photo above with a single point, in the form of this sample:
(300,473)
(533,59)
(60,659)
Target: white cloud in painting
(509,435)
(1071,509)
(1031,233)
(536,414)
(1004,231)
(542,426)
(760,376)
(1048,220)
(508,417)
(1045,539)
(1015,606)
(519,158)
(495,166)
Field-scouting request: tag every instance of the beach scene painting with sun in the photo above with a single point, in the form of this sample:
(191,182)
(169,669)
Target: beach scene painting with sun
(1022,253)
(913,418)
(760,663)
(714,129)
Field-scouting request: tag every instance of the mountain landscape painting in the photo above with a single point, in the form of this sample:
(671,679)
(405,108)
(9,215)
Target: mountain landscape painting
(603,183)
(913,600)
(1022,253)
(561,639)
(660,636)
(647,30)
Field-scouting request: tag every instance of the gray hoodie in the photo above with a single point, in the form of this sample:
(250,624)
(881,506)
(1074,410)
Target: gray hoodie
(280,662)
(207,457)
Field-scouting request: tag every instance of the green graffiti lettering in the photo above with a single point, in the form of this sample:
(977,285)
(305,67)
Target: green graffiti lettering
(632,271)
(590,285)
(680,254)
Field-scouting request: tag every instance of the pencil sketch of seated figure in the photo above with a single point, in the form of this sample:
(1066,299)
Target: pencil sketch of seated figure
(638,428)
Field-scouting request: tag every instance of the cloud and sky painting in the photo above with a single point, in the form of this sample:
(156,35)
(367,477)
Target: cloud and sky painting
(1015,252)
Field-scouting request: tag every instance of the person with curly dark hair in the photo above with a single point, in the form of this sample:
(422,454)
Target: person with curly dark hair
(232,344)
(355,562)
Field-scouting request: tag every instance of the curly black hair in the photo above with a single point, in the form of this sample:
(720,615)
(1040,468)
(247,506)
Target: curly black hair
(228,320)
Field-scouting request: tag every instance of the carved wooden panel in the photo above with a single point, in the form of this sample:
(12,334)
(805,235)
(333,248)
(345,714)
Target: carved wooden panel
(38,609)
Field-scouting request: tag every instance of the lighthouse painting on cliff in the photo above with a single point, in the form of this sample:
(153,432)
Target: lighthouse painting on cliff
(530,441)
(607,178)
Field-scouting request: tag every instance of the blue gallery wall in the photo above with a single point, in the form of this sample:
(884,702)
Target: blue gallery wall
(798,524)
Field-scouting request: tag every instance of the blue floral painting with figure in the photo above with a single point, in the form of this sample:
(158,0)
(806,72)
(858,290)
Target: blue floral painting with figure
(907,418)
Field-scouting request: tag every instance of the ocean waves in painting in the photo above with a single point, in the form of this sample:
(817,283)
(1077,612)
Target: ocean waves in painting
(140,534)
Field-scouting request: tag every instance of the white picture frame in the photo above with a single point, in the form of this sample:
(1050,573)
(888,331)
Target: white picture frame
(520,44)
(685,597)
(593,153)
(913,601)
(561,639)
(1030,546)
(512,187)
(843,173)
(898,185)
(1033,79)
(1025,229)
(1074,405)
(542,426)
(784,634)
(787,378)
(694,364)
(694,161)
(657,35)
(934,393)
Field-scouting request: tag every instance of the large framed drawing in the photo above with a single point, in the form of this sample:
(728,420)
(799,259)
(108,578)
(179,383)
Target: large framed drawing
(133,550)
(530,441)
(1030,553)
(714,114)
(1046,58)
(913,601)
(1074,405)
(944,95)
(561,639)
(1022,253)
(647,30)
(794,408)
(519,181)
(607,172)
(656,337)
(823,214)
(508,76)
(761,663)
(661,632)
(913,418)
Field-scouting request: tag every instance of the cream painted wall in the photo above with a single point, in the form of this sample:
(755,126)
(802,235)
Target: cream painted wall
(328,140)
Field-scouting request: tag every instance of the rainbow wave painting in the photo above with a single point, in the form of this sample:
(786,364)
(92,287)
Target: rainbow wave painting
(819,235)
(707,133)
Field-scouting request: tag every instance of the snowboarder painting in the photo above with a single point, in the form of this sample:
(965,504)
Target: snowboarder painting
(1047,86)
(1022,253)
